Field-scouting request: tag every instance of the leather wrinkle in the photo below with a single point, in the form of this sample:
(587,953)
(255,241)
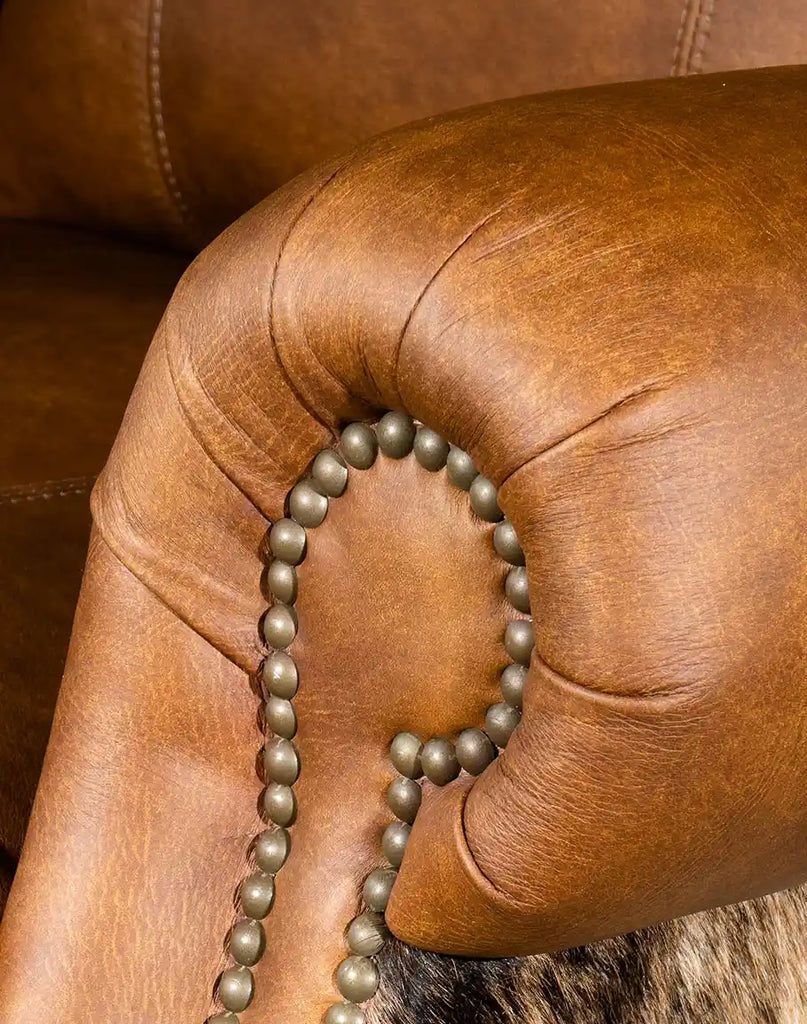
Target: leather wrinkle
(487,883)
(444,263)
(680,697)
(648,389)
(310,202)
(187,352)
(186,620)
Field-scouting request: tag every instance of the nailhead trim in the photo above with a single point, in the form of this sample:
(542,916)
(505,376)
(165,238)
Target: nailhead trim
(438,758)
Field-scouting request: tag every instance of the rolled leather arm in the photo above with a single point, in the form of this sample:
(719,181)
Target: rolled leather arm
(599,295)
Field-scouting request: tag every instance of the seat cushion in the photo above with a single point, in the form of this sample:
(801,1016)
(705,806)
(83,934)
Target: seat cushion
(76,315)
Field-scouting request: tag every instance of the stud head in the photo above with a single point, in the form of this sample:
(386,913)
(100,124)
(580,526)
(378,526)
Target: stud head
(345,1013)
(236,988)
(280,625)
(500,721)
(484,500)
(281,717)
(330,473)
(474,751)
(222,1018)
(405,755)
(460,468)
(308,506)
(367,934)
(396,434)
(517,590)
(281,761)
(512,685)
(378,887)
(506,543)
(393,842)
(357,979)
(272,849)
(359,445)
(257,895)
(281,581)
(403,799)
(519,640)
(247,942)
(279,676)
(431,450)
(287,541)
(280,804)
(439,761)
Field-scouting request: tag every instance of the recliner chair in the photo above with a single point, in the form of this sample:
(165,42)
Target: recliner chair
(596,294)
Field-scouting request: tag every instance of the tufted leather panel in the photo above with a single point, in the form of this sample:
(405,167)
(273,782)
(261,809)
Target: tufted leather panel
(605,306)
(169,119)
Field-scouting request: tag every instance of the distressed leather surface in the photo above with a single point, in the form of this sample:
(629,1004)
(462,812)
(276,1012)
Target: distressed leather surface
(600,295)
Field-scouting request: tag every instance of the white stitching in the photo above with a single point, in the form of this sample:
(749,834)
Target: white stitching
(157,117)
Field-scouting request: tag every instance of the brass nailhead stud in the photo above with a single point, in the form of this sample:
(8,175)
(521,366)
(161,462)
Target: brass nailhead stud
(431,450)
(287,541)
(279,676)
(519,640)
(236,988)
(330,473)
(516,589)
(474,751)
(484,500)
(307,504)
(405,752)
(396,434)
(272,849)
(500,721)
(440,761)
(367,934)
(257,895)
(357,978)
(359,445)
(377,888)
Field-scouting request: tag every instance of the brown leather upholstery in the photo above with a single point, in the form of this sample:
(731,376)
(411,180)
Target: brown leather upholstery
(167,119)
(76,312)
(599,295)
(171,118)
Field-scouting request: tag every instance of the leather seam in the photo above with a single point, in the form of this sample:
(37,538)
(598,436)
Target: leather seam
(159,137)
(703,31)
(692,39)
(679,39)
(46,490)
(270,320)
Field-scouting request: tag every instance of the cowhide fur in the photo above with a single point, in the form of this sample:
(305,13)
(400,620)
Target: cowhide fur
(745,964)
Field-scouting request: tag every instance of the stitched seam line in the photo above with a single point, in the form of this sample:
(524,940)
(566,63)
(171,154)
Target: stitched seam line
(47,489)
(157,119)
(703,31)
(679,39)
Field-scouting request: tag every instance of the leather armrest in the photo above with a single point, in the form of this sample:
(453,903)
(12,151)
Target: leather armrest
(600,295)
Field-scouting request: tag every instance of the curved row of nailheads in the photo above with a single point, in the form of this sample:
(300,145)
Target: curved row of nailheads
(440,760)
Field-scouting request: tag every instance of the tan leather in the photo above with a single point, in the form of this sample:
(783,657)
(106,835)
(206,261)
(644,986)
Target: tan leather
(169,118)
(76,313)
(600,295)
